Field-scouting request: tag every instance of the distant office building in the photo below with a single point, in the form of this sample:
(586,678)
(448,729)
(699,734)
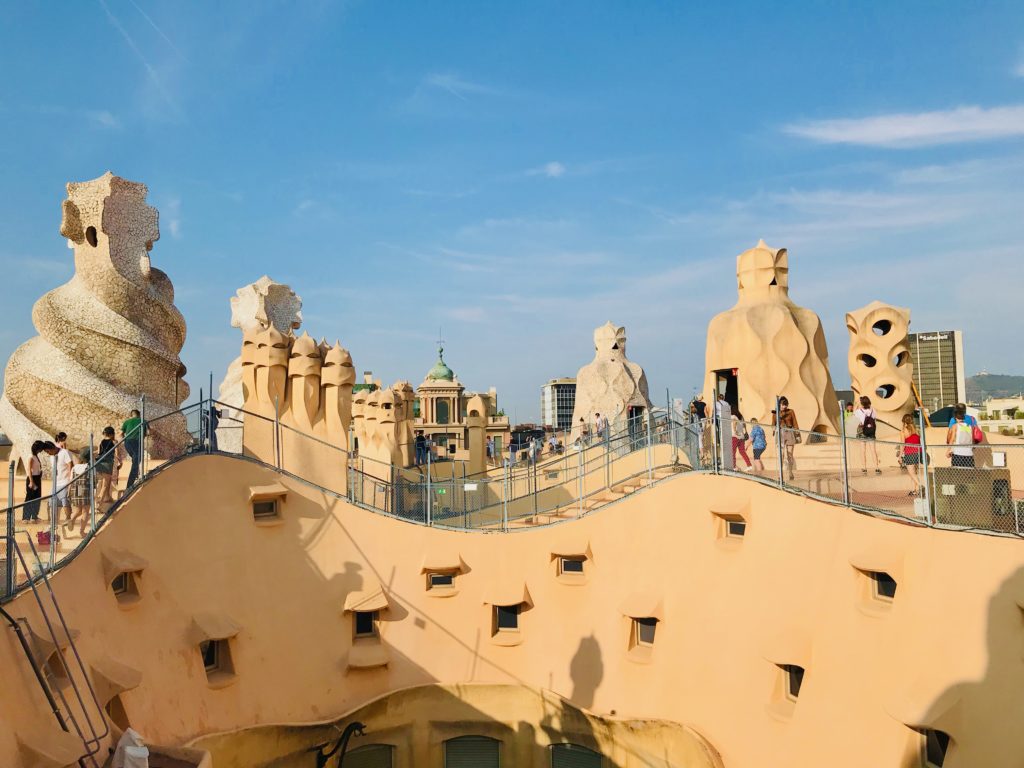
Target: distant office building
(939,368)
(557,400)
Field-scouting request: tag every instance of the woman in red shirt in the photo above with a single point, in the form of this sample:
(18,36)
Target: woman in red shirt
(909,453)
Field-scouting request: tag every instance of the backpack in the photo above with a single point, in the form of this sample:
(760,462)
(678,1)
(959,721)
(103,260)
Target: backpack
(869,425)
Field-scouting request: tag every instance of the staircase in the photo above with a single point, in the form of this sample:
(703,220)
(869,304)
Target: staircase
(80,724)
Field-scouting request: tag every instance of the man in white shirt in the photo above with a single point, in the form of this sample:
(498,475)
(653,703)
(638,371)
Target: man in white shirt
(65,470)
(600,427)
(723,413)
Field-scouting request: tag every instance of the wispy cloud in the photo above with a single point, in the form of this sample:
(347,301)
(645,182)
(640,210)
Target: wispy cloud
(103,118)
(921,129)
(159,31)
(455,85)
(150,69)
(170,215)
(552,170)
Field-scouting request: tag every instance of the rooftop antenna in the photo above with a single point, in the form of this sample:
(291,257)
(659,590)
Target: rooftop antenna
(440,343)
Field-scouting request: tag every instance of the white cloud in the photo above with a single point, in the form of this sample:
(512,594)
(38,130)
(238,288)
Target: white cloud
(455,85)
(921,129)
(552,170)
(170,216)
(103,118)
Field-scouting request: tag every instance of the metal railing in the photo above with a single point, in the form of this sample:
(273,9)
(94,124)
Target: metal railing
(982,489)
(977,487)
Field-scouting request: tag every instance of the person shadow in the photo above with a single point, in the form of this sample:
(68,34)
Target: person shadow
(586,671)
(978,723)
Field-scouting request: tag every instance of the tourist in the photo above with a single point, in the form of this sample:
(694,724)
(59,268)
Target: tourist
(132,429)
(490,450)
(701,407)
(850,420)
(694,437)
(62,483)
(785,420)
(120,457)
(511,455)
(968,419)
(211,419)
(867,428)
(723,419)
(80,492)
(909,453)
(600,427)
(421,448)
(758,442)
(960,436)
(739,440)
(584,432)
(105,467)
(532,451)
(34,483)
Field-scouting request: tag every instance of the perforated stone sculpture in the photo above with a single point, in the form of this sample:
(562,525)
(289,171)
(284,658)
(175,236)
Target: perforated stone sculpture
(307,388)
(255,306)
(609,384)
(879,359)
(767,346)
(107,337)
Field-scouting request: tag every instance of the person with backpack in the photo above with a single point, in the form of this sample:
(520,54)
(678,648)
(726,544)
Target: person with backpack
(960,439)
(867,428)
(759,443)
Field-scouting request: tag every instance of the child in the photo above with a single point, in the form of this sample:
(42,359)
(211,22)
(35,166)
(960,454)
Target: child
(78,495)
(758,442)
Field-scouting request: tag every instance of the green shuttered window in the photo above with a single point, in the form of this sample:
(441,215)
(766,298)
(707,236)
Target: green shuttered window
(574,756)
(370,756)
(471,752)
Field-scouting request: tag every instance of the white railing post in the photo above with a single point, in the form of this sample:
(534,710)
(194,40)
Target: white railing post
(54,512)
(650,447)
(929,510)
(778,439)
(579,480)
(277,432)
(506,467)
(142,439)
(12,560)
(92,483)
(842,453)
(430,494)
(716,438)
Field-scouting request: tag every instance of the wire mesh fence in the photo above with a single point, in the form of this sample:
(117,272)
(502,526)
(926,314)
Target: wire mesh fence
(913,474)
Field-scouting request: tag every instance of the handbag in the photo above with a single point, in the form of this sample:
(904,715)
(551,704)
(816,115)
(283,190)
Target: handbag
(976,434)
(43,539)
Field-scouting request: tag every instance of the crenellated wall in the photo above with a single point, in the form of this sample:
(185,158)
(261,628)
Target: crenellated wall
(792,590)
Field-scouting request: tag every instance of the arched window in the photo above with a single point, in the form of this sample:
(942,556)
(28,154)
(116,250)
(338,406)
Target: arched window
(471,752)
(441,407)
(574,756)
(370,756)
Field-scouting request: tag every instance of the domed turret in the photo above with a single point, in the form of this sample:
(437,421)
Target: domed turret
(440,371)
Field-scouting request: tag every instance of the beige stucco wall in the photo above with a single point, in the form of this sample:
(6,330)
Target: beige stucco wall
(417,721)
(786,593)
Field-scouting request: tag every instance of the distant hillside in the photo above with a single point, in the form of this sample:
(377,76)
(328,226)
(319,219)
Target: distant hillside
(986,385)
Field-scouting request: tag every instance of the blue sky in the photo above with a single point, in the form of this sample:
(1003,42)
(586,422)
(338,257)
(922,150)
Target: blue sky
(519,173)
